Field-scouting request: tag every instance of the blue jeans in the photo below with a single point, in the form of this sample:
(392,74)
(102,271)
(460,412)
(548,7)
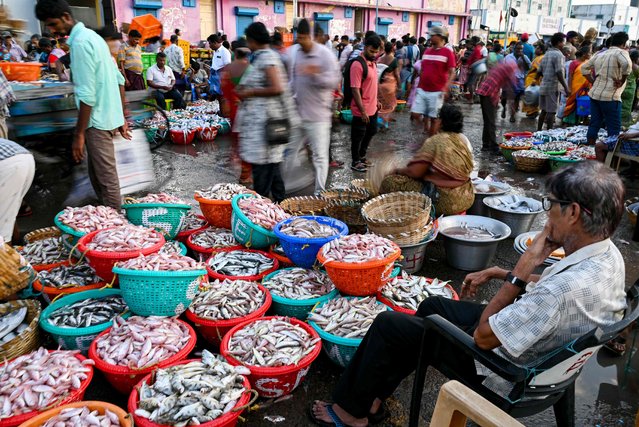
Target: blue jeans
(608,112)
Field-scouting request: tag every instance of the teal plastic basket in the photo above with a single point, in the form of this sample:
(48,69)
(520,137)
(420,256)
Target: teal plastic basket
(158,293)
(245,232)
(298,308)
(76,338)
(340,350)
(72,232)
(167,218)
(557,163)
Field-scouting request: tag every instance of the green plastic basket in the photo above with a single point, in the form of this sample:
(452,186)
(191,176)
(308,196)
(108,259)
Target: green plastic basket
(76,338)
(298,308)
(158,293)
(167,218)
(245,232)
(225,127)
(72,232)
(557,163)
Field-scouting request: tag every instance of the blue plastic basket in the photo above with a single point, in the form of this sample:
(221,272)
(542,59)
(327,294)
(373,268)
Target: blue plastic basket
(159,293)
(303,251)
(76,338)
(583,105)
(245,232)
(347,116)
(167,218)
(298,308)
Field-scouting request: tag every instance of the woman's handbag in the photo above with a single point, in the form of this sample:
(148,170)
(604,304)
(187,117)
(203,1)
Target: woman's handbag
(278,129)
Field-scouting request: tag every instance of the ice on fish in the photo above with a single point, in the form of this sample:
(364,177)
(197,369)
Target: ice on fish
(347,317)
(299,283)
(227,299)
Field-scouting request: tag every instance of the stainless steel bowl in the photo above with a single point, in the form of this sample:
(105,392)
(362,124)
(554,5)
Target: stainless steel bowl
(478,207)
(519,222)
(471,255)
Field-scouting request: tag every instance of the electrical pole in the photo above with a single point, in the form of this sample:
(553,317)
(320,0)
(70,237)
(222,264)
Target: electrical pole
(376,15)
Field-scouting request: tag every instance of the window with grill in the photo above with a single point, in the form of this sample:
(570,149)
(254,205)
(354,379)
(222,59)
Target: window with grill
(188,3)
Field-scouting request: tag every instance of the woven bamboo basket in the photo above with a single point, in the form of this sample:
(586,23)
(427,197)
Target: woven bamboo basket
(304,205)
(349,214)
(410,237)
(396,213)
(529,164)
(41,234)
(15,272)
(348,195)
(29,339)
(362,184)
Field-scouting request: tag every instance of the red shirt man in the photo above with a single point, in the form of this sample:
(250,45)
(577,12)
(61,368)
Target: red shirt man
(436,66)
(367,87)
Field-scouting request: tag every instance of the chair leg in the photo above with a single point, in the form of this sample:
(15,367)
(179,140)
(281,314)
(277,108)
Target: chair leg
(565,408)
(418,383)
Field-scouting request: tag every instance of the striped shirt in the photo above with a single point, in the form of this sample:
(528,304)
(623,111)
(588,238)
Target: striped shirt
(498,77)
(610,66)
(550,66)
(132,57)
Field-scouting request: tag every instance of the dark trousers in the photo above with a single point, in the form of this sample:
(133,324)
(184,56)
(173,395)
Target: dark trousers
(390,350)
(103,172)
(608,112)
(489,114)
(361,136)
(267,180)
(160,97)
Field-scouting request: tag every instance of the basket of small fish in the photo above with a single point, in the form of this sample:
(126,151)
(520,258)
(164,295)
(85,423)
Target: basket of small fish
(359,264)
(66,280)
(192,224)
(75,320)
(556,148)
(558,162)
(182,136)
(160,284)
(76,222)
(215,203)
(45,392)
(253,220)
(173,247)
(45,254)
(278,253)
(302,237)
(510,135)
(223,304)
(241,264)
(207,133)
(132,348)
(405,292)
(19,333)
(515,144)
(295,291)
(517,212)
(164,212)
(203,243)
(399,212)
(103,248)
(42,233)
(84,413)
(276,368)
(530,160)
(342,323)
(220,404)
(304,205)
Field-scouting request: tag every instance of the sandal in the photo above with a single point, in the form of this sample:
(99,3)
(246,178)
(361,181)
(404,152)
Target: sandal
(337,422)
(379,416)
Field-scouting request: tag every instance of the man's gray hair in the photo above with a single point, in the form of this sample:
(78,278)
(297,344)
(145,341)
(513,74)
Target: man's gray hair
(596,188)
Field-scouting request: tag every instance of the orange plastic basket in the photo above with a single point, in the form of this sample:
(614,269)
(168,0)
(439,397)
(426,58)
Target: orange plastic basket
(37,421)
(21,71)
(148,25)
(217,212)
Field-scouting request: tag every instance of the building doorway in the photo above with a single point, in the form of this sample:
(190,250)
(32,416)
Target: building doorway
(208,24)
(359,20)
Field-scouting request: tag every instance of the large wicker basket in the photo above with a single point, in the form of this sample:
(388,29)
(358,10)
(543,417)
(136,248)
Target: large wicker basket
(346,195)
(411,237)
(304,205)
(349,214)
(529,164)
(362,184)
(15,272)
(29,339)
(41,234)
(396,213)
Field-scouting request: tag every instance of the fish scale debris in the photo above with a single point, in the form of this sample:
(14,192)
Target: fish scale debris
(409,291)
(262,212)
(347,317)
(356,248)
(214,238)
(193,393)
(272,342)
(240,263)
(83,416)
(160,198)
(162,262)
(299,283)
(69,276)
(308,228)
(140,342)
(224,191)
(39,379)
(88,312)
(227,299)
(91,218)
(193,221)
(45,251)
(124,238)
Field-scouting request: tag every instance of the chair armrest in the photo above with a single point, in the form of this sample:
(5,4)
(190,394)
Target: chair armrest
(500,366)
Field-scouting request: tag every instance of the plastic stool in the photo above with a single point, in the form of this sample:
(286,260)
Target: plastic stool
(169,104)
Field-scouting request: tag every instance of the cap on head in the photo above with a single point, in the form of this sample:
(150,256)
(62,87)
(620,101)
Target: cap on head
(438,31)
(524,37)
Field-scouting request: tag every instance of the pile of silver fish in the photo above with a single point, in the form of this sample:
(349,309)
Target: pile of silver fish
(347,317)
(140,342)
(583,152)
(409,291)
(358,248)
(193,393)
(39,379)
(531,154)
(12,324)
(308,228)
(240,263)
(162,262)
(83,416)
(262,212)
(273,342)
(519,204)
(518,143)
(227,299)
(467,232)
(193,221)
(88,312)
(556,146)
(124,238)
(214,238)
(299,283)
(45,251)
(90,218)
(222,191)
(171,247)
(160,198)
(69,276)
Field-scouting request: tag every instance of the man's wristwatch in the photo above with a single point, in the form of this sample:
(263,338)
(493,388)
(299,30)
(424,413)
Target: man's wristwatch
(521,284)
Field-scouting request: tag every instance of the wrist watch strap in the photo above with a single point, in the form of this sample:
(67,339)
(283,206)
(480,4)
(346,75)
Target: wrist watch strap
(521,284)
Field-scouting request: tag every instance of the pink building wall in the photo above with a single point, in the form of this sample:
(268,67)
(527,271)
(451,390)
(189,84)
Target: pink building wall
(227,21)
(172,15)
(339,25)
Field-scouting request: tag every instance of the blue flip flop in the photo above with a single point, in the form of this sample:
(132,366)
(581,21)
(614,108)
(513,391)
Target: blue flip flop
(336,421)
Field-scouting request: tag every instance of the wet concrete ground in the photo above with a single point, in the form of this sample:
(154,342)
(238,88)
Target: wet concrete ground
(608,388)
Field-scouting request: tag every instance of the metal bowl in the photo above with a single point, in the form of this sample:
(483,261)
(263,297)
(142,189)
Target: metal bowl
(478,207)
(471,255)
(519,222)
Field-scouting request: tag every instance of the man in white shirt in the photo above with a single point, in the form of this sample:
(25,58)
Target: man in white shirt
(221,57)
(345,52)
(161,78)
(175,61)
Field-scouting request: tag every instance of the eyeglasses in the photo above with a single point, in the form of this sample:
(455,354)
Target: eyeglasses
(547,203)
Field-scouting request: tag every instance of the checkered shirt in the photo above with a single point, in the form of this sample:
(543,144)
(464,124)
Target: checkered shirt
(498,77)
(551,64)
(6,96)
(608,66)
(10,149)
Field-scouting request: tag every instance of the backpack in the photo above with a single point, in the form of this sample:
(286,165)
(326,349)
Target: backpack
(346,74)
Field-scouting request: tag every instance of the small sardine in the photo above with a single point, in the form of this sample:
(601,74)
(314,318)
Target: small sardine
(83,416)
(262,212)
(347,317)
(88,312)
(308,228)
(299,283)
(223,191)
(227,299)
(240,263)
(214,238)
(45,251)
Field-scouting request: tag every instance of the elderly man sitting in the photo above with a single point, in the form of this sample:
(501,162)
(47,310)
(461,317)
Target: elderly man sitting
(629,139)
(530,316)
